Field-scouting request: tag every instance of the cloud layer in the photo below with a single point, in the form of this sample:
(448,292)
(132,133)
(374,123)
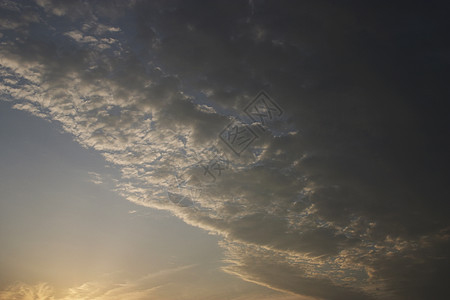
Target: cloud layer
(343,197)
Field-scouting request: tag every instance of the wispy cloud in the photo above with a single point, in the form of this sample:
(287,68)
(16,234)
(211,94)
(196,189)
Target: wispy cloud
(177,283)
(141,288)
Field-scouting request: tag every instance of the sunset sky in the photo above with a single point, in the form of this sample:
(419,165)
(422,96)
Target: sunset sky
(171,149)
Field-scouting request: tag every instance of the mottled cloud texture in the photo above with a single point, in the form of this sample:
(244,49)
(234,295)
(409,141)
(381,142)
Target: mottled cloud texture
(343,197)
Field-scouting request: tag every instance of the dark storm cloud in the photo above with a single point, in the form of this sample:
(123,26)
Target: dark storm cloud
(347,193)
(364,83)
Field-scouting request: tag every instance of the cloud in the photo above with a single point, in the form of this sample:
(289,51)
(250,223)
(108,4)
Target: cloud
(95,178)
(304,276)
(21,291)
(141,288)
(343,198)
(184,282)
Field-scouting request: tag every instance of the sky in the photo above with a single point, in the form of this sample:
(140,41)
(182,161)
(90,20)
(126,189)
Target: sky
(285,150)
